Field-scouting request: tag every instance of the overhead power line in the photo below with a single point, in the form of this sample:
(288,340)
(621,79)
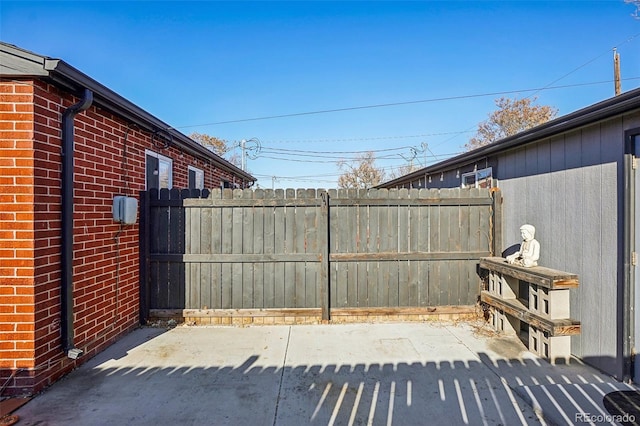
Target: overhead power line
(316,177)
(337,155)
(371,138)
(402,148)
(549,85)
(396,157)
(588,62)
(392,104)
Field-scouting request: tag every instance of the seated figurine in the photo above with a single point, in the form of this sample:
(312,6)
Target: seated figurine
(529,252)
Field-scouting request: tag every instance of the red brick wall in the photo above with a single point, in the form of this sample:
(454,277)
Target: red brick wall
(17,245)
(106,255)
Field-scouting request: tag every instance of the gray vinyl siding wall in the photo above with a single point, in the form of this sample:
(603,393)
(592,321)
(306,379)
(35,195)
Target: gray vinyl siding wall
(570,187)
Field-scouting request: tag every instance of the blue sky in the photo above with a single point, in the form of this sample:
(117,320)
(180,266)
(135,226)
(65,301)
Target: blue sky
(195,64)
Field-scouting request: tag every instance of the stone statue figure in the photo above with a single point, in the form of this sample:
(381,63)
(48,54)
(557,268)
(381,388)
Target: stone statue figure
(529,252)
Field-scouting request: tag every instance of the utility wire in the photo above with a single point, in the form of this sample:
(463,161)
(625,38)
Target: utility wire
(315,154)
(335,160)
(549,86)
(325,175)
(315,158)
(546,87)
(587,63)
(423,135)
(391,104)
(402,148)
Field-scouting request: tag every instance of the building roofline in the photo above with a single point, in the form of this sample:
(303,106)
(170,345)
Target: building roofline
(19,63)
(623,103)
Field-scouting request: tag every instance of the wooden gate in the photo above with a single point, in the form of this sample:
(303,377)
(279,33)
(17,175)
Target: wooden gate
(309,252)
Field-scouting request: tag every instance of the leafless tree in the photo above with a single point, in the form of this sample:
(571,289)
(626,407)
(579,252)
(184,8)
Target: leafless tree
(512,116)
(635,3)
(360,173)
(217,145)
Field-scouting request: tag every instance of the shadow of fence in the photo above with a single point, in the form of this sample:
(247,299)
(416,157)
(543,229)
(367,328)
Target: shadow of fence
(480,391)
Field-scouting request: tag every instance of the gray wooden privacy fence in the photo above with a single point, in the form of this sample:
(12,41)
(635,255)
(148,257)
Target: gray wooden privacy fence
(261,249)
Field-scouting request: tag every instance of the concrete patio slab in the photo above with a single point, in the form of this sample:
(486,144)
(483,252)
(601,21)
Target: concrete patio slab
(352,374)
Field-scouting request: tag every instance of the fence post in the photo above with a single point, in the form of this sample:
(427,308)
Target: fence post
(497,221)
(323,240)
(143,236)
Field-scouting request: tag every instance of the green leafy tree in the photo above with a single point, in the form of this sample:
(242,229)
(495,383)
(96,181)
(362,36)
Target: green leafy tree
(360,173)
(512,116)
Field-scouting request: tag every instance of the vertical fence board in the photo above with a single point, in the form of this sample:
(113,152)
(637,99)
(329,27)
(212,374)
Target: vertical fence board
(192,245)
(280,278)
(351,221)
(157,283)
(413,228)
(143,238)
(392,241)
(258,248)
(373,240)
(192,300)
(369,225)
(269,278)
(331,243)
(160,244)
(474,229)
(346,282)
(237,292)
(423,245)
(496,227)
(434,223)
(324,243)
(206,286)
(483,232)
(226,226)
(464,214)
(404,242)
(362,231)
(247,248)
(441,269)
(176,295)
(340,239)
(413,284)
(456,286)
(425,230)
(413,232)
(216,248)
(299,247)
(289,247)
(361,247)
(311,246)
(153,226)
(383,233)
(403,282)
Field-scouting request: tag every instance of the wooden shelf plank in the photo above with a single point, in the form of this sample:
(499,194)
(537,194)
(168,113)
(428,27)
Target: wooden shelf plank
(539,275)
(558,327)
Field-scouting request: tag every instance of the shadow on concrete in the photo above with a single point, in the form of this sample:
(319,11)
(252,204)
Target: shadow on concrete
(481,391)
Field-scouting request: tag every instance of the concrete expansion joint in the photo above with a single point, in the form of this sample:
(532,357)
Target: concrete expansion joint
(284,361)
